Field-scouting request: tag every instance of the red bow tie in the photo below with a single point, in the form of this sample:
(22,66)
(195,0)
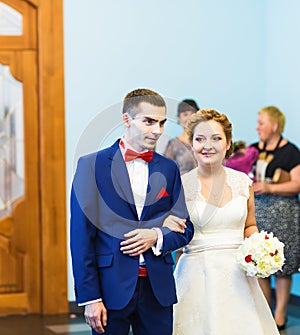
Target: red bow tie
(130,155)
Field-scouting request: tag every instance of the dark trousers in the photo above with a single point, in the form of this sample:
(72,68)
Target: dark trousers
(145,315)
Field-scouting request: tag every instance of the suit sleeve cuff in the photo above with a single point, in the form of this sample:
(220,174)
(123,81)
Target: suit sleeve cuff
(157,248)
(89,302)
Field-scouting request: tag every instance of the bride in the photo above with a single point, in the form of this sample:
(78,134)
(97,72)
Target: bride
(215,297)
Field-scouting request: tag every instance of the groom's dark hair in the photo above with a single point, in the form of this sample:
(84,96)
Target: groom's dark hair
(134,98)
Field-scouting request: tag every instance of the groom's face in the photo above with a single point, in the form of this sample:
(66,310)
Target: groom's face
(145,128)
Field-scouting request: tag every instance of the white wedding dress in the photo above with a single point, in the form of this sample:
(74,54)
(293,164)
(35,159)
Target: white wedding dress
(215,297)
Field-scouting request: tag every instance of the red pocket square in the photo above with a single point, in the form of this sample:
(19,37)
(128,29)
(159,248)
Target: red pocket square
(162,193)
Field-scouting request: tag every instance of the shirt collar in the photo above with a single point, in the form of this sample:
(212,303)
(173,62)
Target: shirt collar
(124,145)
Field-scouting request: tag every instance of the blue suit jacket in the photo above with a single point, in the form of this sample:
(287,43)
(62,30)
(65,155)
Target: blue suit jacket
(103,210)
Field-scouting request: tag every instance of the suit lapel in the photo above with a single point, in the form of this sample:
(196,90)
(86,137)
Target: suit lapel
(156,182)
(121,183)
(120,177)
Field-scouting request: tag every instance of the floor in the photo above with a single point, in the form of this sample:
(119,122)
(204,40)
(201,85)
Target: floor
(73,324)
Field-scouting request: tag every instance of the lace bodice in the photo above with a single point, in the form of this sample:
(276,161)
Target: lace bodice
(238,182)
(217,223)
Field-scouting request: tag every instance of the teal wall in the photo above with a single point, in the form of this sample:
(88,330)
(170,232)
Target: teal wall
(235,55)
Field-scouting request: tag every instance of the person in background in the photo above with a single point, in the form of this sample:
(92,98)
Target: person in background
(215,296)
(179,147)
(243,158)
(121,253)
(276,201)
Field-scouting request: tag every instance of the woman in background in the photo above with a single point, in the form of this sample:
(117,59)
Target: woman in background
(179,148)
(277,205)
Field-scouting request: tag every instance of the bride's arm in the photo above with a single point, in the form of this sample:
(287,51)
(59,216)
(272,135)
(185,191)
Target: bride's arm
(178,225)
(250,225)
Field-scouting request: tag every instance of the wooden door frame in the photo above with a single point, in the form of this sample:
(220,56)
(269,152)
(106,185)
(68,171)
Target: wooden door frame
(52,156)
(43,32)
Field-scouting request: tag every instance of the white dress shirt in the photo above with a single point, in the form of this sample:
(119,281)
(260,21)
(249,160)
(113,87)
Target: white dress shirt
(138,175)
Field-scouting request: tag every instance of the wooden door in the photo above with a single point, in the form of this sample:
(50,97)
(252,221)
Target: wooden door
(32,225)
(19,226)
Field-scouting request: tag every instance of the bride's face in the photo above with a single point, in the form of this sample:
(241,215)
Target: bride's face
(209,143)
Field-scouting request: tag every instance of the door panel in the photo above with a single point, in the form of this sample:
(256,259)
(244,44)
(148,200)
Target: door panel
(19,229)
(29,37)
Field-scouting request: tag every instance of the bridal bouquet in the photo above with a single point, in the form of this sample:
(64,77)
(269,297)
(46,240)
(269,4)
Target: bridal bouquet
(261,255)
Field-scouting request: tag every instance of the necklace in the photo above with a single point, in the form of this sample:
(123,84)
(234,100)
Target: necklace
(213,188)
(276,147)
(214,196)
(264,154)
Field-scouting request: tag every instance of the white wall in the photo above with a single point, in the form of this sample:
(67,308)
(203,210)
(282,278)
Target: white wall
(283,70)
(282,62)
(225,54)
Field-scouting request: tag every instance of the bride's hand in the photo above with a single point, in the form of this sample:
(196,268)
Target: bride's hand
(175,224)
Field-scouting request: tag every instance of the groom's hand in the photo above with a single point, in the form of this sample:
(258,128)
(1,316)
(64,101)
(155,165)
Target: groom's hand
(138,241)
(96,316)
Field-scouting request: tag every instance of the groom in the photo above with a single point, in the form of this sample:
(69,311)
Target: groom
(121,253)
